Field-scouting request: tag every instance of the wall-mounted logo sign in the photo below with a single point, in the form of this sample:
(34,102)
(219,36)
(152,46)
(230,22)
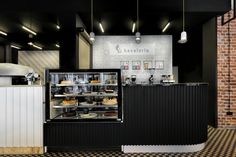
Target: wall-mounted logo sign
(130,49)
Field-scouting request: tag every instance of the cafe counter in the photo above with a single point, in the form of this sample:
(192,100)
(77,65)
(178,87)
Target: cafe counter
(156,118)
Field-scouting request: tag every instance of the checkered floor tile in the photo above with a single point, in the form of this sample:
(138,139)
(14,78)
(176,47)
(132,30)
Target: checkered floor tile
(220,143)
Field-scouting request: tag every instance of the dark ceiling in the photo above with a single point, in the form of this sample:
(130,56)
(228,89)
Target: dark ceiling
(116,16)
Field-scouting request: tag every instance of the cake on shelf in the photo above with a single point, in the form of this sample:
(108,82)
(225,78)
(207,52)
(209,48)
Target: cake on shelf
(107,101)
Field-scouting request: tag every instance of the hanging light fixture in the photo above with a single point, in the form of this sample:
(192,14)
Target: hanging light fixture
(92,35)
(183,36)
(138,34)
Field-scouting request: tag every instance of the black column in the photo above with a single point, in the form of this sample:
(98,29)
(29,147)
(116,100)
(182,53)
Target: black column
(67,40)
(14,56)
(209,39)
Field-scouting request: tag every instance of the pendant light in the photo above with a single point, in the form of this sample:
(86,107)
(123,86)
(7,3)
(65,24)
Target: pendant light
(183,36)
(137,34)
(92,35)
(229,112)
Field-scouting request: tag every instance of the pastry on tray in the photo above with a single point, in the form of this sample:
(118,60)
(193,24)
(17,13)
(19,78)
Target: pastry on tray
(69,102)
(107,101)
(88,103)
(66,82)
(109,91)
(88,115)
(95,81)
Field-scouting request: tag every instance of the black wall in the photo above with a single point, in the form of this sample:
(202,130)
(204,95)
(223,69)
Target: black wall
(209,32)
(68,41)
(2,55)
(188,56)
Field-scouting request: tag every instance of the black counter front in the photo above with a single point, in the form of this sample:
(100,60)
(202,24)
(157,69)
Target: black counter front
(153,115)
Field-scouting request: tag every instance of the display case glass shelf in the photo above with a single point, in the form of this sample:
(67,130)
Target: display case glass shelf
(83,95)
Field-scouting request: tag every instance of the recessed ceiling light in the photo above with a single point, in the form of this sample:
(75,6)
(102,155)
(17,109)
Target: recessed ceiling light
(3,33)
(58,27)
(101,27)
(133,28)
(166,26)
(16,47)
(29,30)
(57,45)
(35,46)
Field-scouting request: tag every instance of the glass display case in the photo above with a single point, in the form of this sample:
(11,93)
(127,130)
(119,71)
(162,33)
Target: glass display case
(83,95)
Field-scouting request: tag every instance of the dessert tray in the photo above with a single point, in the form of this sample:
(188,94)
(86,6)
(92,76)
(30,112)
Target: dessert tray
(88,115)
(87,104)
(107,101)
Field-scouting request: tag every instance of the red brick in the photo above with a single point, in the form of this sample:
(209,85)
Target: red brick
(223,75)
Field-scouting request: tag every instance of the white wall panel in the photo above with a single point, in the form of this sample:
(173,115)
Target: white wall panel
(21,116)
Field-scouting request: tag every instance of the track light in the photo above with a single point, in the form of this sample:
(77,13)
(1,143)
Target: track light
(29,30)
(16,47)
(133,28)
(35,46)
(166,26)
(3,33)
(57,45)
(100,25)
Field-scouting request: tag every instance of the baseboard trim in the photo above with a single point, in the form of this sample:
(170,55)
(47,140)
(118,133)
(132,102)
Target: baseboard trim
(21,150)
(162,148)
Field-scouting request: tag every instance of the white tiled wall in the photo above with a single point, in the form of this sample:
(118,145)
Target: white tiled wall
(109,51)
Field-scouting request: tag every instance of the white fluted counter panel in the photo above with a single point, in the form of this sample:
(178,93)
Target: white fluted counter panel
(21,116)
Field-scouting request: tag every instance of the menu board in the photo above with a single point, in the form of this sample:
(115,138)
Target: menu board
(147,64)
(159,64)
(124,65)
(136,65)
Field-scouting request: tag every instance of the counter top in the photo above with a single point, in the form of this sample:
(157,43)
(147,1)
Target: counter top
(170,84)
(2,86)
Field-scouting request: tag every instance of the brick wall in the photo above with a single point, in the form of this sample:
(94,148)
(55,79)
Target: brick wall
(224,120)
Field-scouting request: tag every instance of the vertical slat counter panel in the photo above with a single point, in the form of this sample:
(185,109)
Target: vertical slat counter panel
(3,117)
(153,115)
(21,116)
(16,116)
(9,117)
